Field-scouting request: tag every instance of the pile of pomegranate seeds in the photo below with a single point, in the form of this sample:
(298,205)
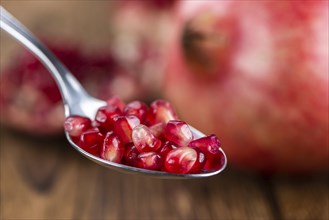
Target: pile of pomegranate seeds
(149,137)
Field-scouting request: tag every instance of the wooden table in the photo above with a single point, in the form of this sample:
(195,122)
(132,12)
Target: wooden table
(47,179)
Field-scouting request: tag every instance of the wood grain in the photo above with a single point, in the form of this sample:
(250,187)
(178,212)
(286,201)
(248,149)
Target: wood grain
(303,198)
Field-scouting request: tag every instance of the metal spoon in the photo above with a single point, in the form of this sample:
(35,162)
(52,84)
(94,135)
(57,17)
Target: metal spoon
(76,100)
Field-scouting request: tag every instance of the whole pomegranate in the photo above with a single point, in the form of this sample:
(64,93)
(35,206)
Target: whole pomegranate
(256,74)
(30,100)
(141,32)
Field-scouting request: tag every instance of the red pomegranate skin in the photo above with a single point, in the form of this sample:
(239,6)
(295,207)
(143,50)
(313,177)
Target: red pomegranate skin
(256,74)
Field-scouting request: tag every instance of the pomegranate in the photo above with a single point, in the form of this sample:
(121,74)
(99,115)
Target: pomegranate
(149,160)
(91,141)
(124,126)
(141,31)
(210,147)
(166,148)
(105,117)
(161,111)
(112,149)
(75,125)
(137,108)
(116,102)
(128,141)
(130,155)
(180,160)
(178,132)
(200,163)
(256,74)
(144,140)
(30,100)
(158,130)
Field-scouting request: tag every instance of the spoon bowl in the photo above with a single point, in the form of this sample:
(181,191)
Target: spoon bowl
(75,98)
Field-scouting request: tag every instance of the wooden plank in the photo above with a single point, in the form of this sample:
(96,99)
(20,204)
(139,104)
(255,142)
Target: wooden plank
(303,198)
(42,179)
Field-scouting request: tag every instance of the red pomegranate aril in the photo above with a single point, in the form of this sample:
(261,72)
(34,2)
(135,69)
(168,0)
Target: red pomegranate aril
(149,160)
(130,154)
(137,108)
(178,132)
(158,130)
(91,141)
(180,160)
(119,136)
(166,148)
(144,140)
(75,125)
(116,102)
(105,116)
(113,149)
(210,146)
(123,126)
(75,140)
(161,111)
(199,163)
(95,124)
(214,161)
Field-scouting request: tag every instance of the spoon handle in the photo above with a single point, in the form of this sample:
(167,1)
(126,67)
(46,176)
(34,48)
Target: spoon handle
(71,90)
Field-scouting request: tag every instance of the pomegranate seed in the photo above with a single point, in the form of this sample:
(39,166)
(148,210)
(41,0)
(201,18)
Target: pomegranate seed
(199,163)
(158,130)
(105,117)
(144,140)
(180,160)
(161,111)
(214,162)
(123,126)
(178,132)
(91,140)
(76,140)
(95,124)
(130,142)
(137,108)
(210,146)
(131,154)
(75,125)
(112,150)
(149,160)
(116,101)
(166,148)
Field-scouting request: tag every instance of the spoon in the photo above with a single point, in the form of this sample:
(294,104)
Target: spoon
(75,98)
